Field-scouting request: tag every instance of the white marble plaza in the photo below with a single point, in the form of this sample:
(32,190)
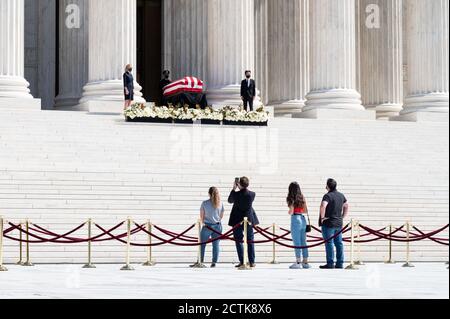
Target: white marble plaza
(374,281)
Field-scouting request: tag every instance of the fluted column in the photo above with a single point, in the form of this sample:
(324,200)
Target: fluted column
(333,60)
(112,45)
(231,49)
(382,58)
(73,54)
(288,54)
(428,60)
(14,91)
(186,38)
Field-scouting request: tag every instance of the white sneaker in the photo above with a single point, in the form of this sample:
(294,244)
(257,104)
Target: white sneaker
(296,266)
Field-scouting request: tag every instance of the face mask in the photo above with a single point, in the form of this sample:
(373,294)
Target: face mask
(129,70)
(249,76)
(166,76)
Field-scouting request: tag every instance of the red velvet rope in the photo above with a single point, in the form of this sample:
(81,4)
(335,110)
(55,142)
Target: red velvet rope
(343,230)
(189,241)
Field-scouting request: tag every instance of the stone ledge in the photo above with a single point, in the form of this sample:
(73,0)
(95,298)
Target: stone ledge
(330,114)
(20,104)
(102,107)
(421,117)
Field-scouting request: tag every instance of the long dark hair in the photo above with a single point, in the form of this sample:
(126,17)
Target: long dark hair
(295,197)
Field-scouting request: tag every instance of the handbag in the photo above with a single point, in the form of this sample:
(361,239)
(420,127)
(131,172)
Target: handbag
(308,227)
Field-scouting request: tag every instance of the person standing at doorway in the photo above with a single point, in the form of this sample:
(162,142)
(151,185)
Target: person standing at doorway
(248,90)
(162,84)
(128,85)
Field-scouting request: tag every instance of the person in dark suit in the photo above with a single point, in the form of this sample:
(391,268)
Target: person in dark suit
(128,86)
(248,90)
(242,199)
(162,84)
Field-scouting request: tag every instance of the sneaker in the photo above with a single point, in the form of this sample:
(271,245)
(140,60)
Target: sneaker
(296,266)
(327,267)
(306,266)
(239,265)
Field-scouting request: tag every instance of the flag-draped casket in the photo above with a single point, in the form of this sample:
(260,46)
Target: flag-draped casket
(187,84)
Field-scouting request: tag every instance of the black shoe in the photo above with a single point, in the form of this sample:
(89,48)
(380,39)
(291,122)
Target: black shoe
(252,265)
(339,267)
(213,265)
(327,267)
(239,266)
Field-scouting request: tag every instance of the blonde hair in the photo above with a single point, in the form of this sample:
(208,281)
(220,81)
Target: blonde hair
(127,67)
(215,197)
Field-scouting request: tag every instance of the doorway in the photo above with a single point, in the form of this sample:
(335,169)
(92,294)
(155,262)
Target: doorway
(149,47)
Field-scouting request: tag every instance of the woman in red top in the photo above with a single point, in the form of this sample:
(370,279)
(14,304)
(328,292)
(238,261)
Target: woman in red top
(298,209)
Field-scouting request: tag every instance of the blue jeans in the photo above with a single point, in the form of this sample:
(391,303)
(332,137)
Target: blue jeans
(206,235)
(298,232)
(327,233)
(238,235)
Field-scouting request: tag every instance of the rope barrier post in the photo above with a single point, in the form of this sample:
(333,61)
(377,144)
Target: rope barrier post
(352,265)
(246,265)
(199,263)
(20,246)
(127,261)
(149,262)
(390,258)
(89,264)
(359,261)
(274,246)
(2,268)
(408,263)
(28,262)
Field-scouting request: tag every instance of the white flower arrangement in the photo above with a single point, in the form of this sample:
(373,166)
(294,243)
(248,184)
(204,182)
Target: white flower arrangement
(228,113)
(211,114)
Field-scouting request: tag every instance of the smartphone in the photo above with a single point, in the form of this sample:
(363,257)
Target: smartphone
(236,180)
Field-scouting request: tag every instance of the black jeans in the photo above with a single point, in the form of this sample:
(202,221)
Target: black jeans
(238,234)
(248,102)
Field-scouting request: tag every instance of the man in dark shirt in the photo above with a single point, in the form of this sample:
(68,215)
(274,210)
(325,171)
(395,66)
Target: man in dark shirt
(242,200)
(162,84)
(333,210)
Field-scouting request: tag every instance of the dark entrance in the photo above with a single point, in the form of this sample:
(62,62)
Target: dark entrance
(149,47)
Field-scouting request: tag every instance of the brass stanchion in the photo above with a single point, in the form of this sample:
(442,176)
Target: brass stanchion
(352,265)
(2,268)
(390,258)
(20,262)
(89,264)
(246,265)
(199,263)
(127,262)
(149,262)
(408,263)
(28,262)
(274,246)
(359,261)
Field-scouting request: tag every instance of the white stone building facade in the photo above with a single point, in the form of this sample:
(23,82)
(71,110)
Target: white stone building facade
(311,58)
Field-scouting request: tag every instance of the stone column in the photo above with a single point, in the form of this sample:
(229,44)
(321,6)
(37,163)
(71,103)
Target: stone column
(288,54)
(382,56)
(14,91)
(333,62)
(186,38)
(112,45)
(73,52)
(428,61)
(231,49)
